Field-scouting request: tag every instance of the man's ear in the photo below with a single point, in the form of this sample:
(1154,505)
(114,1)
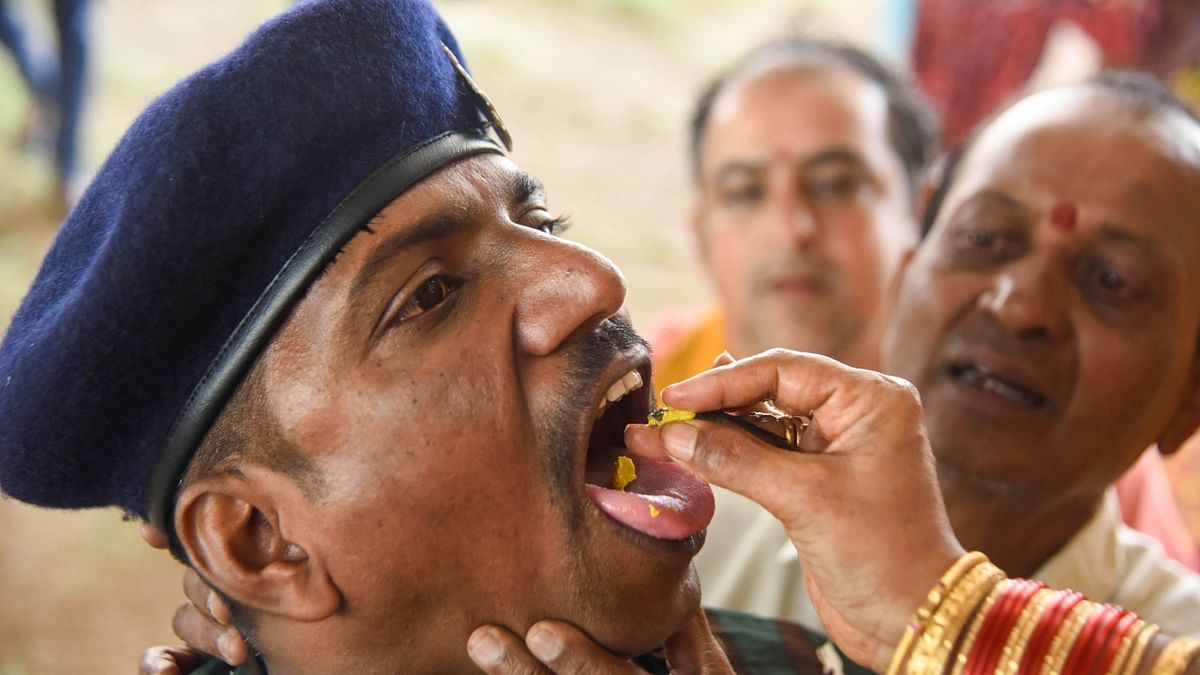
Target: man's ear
(229,526)
(1187,417)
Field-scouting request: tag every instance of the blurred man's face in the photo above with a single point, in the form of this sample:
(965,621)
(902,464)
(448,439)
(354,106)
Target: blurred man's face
(805,211)
(445,375)
(1050,318)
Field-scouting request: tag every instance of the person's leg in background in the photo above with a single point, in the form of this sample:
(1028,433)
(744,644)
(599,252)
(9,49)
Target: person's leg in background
(13,39)
(71,20)
(39,82)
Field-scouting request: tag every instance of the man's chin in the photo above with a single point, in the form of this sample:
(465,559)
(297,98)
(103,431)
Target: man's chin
(641,621)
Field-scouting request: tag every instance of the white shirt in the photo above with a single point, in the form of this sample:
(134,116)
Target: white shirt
(748,564)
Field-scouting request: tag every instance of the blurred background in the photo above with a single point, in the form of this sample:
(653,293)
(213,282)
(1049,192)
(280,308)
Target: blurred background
(597,94)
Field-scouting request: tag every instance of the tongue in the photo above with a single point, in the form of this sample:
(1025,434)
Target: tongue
(665,502)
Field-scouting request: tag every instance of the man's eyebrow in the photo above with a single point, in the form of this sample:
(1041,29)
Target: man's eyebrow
(738,166)
(833,156)
(524,188)
(824,158)
(1112,231)
(992,199)
(440,226)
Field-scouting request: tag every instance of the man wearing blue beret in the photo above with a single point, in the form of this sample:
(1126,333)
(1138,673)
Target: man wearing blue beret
(311,324)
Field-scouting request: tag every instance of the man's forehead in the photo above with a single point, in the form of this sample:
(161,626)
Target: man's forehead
(797,115)
(1086,141)
(820,93)
(1089,116)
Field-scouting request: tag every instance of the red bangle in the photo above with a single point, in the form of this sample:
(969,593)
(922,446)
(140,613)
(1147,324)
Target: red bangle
(1105,658)
(995,615)
(983,641)
(1100,640)
(1084,643)
(1005,613)
(1048,625)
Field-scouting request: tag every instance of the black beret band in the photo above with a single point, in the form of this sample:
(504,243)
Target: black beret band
(257,328)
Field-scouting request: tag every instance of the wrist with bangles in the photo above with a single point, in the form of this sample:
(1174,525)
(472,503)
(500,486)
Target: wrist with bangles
(976,621)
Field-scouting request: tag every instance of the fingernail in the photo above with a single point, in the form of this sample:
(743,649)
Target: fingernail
(214,606)
(680,439)
(485,649)
(544,644)
(224,647)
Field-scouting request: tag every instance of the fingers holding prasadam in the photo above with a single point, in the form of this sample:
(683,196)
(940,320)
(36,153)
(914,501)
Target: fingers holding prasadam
(872,489)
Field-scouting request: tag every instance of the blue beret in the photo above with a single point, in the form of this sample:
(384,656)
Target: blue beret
(213,215)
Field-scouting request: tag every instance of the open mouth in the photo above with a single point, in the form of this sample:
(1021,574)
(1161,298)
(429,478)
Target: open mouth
(654,497)
(974,375)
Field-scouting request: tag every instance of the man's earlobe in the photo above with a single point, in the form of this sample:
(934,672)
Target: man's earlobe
(230,528)
(1186,419)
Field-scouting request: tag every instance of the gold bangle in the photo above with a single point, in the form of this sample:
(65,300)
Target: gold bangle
(1064,639)
(933,646)
(960,659)
(1018,637)
(1130,666)
(1175,658)
(934,598)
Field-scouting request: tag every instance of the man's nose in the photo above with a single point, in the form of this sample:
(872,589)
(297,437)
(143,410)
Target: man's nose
(794,217)
(569,289)
(1028,299)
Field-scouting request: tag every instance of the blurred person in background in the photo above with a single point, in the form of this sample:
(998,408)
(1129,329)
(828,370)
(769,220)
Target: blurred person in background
(808,157)
(57,90)
(968,79)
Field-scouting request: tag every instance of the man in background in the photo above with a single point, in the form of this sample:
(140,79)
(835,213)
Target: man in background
(808,157)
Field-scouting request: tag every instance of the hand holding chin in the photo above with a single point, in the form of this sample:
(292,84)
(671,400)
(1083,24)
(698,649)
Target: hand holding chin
(558,647)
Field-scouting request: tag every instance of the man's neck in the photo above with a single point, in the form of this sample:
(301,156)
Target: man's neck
(1018,529)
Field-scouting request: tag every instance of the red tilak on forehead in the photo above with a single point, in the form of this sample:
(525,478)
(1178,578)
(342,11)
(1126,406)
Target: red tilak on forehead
(1064,216)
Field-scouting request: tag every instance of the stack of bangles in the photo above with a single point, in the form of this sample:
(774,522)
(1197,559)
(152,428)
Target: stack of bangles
(976,621)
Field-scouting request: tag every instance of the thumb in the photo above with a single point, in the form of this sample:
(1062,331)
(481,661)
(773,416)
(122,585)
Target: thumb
(733,459)
(694,649)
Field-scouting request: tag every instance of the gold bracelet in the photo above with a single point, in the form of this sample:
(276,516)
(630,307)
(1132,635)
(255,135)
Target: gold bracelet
(951,578)
(1064,639)
(960,659)
(1175,658)
(1139,650)
(940,633)
(1018,637)
(1127,642)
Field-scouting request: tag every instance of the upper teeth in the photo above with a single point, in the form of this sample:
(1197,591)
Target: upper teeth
(631,381)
